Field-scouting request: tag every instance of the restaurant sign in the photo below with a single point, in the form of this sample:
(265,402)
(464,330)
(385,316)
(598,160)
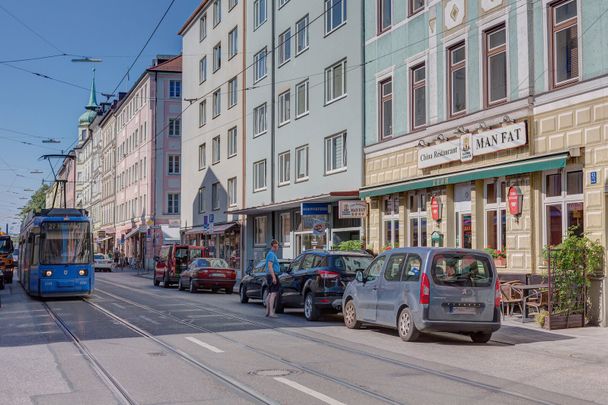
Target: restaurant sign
(352,209)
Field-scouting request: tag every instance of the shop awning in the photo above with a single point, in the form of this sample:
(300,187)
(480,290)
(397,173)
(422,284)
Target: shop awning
(524,166)
(105,239)
(223,228)
(194,230)
(170,234)
(285,205)
(134,232)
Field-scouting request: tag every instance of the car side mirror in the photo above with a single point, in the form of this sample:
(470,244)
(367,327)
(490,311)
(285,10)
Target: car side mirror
(359,276)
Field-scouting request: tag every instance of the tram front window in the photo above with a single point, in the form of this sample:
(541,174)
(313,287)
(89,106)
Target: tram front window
(65,243)
(6,246)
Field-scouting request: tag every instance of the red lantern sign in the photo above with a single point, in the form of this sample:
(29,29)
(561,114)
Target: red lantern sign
(516,200)
(436,208)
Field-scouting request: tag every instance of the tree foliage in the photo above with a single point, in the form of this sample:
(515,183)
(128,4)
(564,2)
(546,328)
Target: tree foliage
(37,201)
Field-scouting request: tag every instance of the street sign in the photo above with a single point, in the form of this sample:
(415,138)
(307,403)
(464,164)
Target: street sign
(593,176)
(211,218)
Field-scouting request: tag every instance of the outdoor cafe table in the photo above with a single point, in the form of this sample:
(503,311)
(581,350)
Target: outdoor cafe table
(525,291)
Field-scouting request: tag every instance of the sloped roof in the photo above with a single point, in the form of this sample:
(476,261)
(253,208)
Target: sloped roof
(172,65)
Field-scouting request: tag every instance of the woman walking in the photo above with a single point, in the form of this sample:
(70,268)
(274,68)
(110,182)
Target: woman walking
(272,278)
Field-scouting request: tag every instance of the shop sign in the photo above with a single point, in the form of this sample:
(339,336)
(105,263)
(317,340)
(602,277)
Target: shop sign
(516,200)
(314,209)
(511,136)
(439,154)
(101,234)
(436,208)
(352,209)
(466,149)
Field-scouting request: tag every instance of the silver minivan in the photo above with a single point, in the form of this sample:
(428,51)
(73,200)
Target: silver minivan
(427,289)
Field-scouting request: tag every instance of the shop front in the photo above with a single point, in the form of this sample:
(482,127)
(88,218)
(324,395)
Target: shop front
(221,240)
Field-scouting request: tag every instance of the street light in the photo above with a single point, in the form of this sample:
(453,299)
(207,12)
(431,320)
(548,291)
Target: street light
(35,172)
(87,59)
(51,140)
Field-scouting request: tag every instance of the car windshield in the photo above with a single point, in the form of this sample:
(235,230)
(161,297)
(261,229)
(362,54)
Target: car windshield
(461,269)
(5,245)
(65,243)
(195,253)
(350,264)
(284,266)
(99,257)
(215,263)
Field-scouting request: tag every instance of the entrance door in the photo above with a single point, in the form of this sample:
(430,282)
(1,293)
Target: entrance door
(308,241)
(464,230)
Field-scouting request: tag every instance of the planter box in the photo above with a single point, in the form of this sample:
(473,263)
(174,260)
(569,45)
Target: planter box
(500,262)
(563,321)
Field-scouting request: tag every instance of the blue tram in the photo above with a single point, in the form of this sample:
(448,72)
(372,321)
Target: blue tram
(56,257)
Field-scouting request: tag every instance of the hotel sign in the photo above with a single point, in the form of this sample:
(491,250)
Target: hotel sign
(469,145)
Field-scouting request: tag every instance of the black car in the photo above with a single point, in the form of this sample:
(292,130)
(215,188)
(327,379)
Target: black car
(254,285)
(317,278)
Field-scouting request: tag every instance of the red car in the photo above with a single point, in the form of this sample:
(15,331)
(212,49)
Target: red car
(173,260)
(214,274)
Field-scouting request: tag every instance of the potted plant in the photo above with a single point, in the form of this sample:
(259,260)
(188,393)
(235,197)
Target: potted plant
(499,256)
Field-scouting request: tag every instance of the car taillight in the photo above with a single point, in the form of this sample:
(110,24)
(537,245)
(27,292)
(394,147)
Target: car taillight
(497,296)
(202,273)
(425,290)
(232,274)
(324,274)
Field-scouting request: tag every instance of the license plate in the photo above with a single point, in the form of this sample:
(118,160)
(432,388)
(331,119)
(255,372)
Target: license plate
(464,311)
(218,275)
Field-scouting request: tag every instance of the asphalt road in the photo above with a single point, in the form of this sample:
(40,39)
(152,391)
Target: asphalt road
(135,343)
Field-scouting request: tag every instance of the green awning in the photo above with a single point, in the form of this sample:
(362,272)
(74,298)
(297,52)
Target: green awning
(509,169)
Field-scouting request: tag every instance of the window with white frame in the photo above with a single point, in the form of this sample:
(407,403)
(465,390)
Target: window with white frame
(203,27)
(285,224)
(233,43)
(301,35)
(563,204)
(302,163)
(217,12)
(232,142)
(385,93)
(259,120)
(284,107)
(259,65)
(175,88)
(173,203)
(495,65)
(302,98)
(563,43)
(215,196)
(259,224)
(335,153)
(217,103)
(259,13)
(202,207)
(390,220)
(284,168)
(215,151)
(495,209)
(335,81)
(202,113)
(285,46)
(202,74)
(232,92)
(335,14)
(175,126)
(232,4)
(415,6)
(418,97)
(384,9)
(232,192)
(217,57)
(259,175)
(418,219)
(174,164)
(457,80)
(202,156)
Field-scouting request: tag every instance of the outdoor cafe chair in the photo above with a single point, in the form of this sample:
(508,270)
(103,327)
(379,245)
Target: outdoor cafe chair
(510,298)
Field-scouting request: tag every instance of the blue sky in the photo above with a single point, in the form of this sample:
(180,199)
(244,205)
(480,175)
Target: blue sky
(113,30)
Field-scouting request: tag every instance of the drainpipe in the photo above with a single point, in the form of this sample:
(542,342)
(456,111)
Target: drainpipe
(363,224)
(152,178)
(272,102)
(243,219)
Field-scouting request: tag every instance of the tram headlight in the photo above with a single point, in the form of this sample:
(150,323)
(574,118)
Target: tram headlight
(82,272)
(48,273)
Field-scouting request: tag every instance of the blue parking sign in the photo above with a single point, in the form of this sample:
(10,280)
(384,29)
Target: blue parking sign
(593,176)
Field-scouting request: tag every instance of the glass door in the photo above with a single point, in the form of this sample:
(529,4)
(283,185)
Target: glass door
(464,230)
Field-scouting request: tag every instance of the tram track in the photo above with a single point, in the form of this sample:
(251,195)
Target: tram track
(337,346)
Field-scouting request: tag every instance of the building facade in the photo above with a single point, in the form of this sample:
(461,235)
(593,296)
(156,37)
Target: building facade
(487,130)
(107,233)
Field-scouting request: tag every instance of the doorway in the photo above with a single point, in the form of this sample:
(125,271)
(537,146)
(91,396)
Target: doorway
(463,217)
(308,241)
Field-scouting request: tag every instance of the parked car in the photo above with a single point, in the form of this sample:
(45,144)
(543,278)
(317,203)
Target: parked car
(416,290)
(102,262)
(210,273)
(316,280)
(16,256)
(254,285)
(174,259)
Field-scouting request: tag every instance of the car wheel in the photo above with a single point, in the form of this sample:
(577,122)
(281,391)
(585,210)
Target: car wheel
(229,290)
(166,280)
(350,316)
(243,295)
(311,312)
(215,290)
(156,282)
(406,327)
(481,337)
(180,287)
(192,289)
(265,296)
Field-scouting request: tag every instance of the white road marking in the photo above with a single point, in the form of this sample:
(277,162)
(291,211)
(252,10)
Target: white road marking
(205,345)
(145,318)
(306,390)
(118,305)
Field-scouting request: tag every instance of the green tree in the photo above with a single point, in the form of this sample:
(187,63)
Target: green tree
(37,201)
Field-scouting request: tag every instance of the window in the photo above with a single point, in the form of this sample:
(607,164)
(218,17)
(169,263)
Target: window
(385,15)
(411,271)
(418,97)
(233,43)
(202,113)
(232,142)
(202,156)
(260,230)
(173,203)
(285,46)
(302,35)
(215,196)
(335,81)
(416,6)
(259,120)
(495,194)
(335,14)
(175,88)
(302,98)
(418,219)
(203,27)
(284,168)
(391,221)
(217,103)
(302,163)
(232,192)
(394,267)
(202,74)
(461,269)
(259,66)
(174,164)
(282,3)
(495,65)
(335,153)
(232,4)
(232,92)
(457,93)
(202,207)
(215,152)
(386,108)
(217,12)
(563,43)
(563,203)
(259,13)
(374,269)
(284,107)
(175,126)
(259,175)
(285,223)
(217,57)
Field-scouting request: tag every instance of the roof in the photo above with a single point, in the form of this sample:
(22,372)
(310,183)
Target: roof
(186,25)
(172,65)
